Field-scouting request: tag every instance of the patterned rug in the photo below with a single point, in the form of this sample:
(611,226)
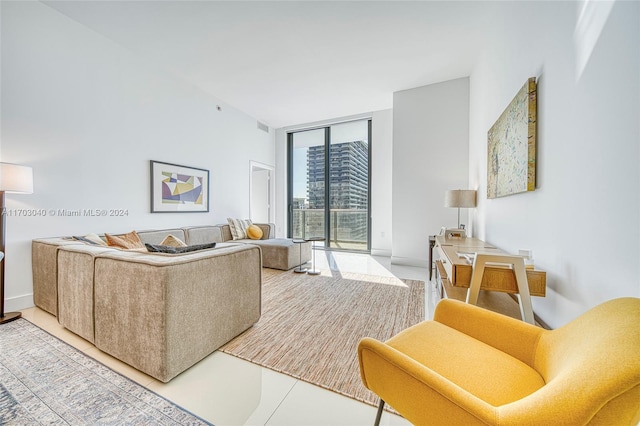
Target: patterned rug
(45,381)
(311,325)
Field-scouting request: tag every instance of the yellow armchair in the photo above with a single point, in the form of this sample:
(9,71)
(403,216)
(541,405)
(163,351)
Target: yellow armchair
(473,366)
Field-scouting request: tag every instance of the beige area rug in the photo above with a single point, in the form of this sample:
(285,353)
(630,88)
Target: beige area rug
(311,325)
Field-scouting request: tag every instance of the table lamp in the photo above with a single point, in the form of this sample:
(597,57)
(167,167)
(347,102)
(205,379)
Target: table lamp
(460,198)
(18,180)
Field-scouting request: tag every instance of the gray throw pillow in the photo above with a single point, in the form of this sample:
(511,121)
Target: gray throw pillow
(154,248)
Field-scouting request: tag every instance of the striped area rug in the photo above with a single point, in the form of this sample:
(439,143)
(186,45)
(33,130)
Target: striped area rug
(311,325)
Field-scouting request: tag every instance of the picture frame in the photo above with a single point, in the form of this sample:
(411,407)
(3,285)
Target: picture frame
(455,233)
(511,153)
(178,189)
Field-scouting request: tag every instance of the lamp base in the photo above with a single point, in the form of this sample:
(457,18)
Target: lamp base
(10,316)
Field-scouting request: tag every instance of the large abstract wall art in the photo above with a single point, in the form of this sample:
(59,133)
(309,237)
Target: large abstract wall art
(511,159)
(178,189)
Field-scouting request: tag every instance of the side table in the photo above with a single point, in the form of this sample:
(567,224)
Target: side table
(313,270)
(299,269)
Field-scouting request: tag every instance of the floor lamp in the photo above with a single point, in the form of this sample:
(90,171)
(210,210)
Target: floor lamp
(19,180)
(460,198)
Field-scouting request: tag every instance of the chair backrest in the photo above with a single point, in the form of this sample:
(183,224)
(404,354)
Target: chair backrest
(593,362)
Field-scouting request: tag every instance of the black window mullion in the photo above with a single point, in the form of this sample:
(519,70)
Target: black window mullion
(289,185)
(327,187)
(369,189)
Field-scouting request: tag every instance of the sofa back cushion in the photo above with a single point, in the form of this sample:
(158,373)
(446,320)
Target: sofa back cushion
(203,235)
(226,233)
(268,230)
(156,237)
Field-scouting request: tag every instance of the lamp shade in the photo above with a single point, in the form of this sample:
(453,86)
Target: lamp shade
(16,179)
(460,198)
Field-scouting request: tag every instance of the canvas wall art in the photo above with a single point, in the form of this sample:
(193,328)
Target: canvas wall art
(511,159)
(178,189)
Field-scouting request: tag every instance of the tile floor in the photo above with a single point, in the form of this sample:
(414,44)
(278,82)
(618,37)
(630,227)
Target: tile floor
(226,390)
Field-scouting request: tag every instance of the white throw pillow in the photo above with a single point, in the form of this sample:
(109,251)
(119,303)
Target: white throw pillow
(172,241)
(238,228)
(95,239)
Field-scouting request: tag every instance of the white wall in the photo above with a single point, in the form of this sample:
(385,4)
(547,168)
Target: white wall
(381,182)
(281,183)
(430,156)
(88,116)
(582,222)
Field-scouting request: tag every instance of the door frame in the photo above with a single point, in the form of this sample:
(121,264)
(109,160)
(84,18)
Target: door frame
(327,142)
(257,166)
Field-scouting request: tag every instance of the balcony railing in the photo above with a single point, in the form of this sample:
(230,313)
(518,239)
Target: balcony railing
(348,228)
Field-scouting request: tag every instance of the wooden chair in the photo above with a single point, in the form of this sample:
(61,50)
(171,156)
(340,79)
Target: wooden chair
(517,264)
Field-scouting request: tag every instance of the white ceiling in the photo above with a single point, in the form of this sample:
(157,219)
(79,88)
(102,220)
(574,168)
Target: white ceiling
(293,62)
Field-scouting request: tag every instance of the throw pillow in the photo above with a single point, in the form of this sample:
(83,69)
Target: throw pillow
(254,232)
(238,228)
(125,241)
(95,239)
(92,239)
(175,250)
(172,241)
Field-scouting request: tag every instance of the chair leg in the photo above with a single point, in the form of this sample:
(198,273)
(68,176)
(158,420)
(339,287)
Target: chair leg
(517,264)
(379,414)
(524,296)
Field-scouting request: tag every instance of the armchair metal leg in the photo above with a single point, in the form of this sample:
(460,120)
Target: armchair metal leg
(380,410)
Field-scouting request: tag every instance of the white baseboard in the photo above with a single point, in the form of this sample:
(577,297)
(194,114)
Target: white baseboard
(408,261)
(19,303)
(381,252)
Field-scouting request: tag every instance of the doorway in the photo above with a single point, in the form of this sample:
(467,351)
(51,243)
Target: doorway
(261,192)
(329,185)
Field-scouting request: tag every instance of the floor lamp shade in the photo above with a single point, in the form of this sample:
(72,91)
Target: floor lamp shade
(18,180)
(460,198)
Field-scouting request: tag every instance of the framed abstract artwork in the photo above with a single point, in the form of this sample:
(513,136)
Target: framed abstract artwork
(511,157)
(178,189)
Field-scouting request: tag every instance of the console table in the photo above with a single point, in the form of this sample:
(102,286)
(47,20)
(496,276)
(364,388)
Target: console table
(454,269)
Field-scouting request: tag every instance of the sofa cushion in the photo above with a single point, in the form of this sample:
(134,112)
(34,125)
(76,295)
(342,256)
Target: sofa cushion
(238,228)
(162,313)
(156,236)
(226,232)
(75,287)
(44,261)
(281,253)
(125,241)
(181,249)
(482,370)
(203,234)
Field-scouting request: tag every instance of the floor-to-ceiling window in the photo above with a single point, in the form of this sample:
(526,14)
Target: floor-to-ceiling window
(329,181)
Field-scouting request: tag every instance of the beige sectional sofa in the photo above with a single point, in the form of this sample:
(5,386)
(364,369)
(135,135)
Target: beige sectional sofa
(160,313)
